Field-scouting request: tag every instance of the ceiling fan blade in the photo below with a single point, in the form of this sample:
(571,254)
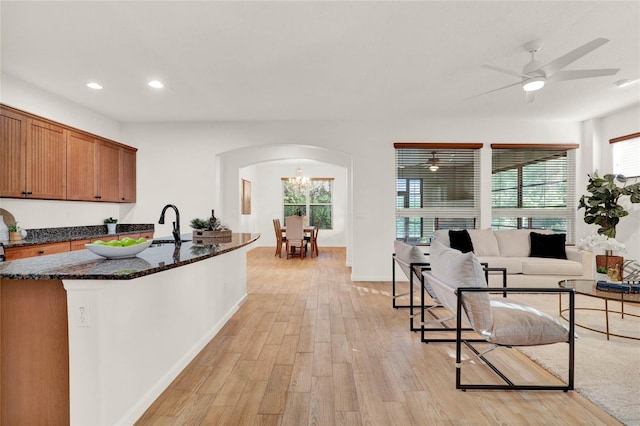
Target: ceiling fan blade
(502,70)
(577,74)
(529,97)
(494,90)
(556,65)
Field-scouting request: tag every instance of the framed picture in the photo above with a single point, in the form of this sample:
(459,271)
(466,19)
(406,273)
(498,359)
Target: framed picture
(246,197)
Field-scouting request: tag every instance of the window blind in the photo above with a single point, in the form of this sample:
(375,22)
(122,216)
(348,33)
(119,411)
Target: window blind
(533,186)
(626,155)
(437,187)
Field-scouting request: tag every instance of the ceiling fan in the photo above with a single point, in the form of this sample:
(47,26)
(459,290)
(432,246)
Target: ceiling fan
(535,75)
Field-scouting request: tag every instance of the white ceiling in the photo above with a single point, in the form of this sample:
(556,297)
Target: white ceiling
(318,60)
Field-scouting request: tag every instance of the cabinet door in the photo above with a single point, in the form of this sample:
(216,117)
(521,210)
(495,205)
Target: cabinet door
(108,171)
(13,136)
(81,167)
(15,253)
(78,244)
(127,175)
(46,156)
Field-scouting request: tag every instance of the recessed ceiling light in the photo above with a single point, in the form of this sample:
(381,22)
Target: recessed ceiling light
(94,86)
(155,84)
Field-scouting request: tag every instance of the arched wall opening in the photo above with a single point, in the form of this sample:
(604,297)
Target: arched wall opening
(256,164)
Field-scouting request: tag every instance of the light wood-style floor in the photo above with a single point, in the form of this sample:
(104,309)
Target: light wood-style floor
(311,347)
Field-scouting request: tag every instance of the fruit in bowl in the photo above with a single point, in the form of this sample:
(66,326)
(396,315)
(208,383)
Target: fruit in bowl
(119,249)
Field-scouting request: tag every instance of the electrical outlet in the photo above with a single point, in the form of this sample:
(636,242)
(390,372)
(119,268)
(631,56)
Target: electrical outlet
(82,317)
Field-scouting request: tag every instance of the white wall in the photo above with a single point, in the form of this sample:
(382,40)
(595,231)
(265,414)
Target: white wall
(623,123)
(267,189)
(183,164)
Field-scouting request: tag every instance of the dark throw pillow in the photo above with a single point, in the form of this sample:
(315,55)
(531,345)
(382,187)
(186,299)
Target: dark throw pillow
(548,245)
(460,240)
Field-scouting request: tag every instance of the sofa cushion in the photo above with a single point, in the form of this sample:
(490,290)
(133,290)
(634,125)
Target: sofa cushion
(460,240)
(442,236)
(515,242)
(484,242)
(513,264)
(548,245)
(547,266)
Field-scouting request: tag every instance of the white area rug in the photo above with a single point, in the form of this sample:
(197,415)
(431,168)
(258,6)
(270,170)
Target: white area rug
(607,372)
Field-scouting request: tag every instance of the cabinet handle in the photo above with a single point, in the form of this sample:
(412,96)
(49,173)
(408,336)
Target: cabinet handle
(29,193)
(98,196)
(41,251)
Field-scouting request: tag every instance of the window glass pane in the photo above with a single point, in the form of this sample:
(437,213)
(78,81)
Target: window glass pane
(323,213)
(293,195)
(294,209)
(313,200)
(320,191)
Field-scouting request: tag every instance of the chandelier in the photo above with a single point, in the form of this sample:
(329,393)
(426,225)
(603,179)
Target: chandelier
(299,182)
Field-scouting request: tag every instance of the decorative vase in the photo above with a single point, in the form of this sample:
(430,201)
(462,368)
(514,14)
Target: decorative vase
(610,265)
(15,236)
(111,228)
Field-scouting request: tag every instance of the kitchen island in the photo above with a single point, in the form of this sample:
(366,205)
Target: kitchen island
(87,340)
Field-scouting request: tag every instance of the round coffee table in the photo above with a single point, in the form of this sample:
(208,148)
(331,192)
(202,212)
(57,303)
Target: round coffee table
(588,288)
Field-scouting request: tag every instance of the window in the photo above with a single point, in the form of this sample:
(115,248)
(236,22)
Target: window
(533,187)
(626,155)
(437,187)
(313,199)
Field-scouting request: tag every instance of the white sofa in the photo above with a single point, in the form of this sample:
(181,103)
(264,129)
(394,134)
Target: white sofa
(511,249)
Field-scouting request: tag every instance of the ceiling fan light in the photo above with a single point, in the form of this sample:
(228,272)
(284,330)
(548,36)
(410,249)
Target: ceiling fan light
(533,84)
(434,167)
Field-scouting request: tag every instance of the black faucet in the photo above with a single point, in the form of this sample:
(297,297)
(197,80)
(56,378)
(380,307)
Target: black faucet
(176,224)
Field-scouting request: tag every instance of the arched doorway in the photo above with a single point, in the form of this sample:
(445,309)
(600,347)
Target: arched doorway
(234,165)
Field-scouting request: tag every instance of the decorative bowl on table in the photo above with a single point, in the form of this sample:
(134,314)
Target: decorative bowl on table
(118,252)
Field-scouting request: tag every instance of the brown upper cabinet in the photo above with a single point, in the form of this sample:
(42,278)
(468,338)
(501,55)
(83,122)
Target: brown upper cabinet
(46,160)
(34,163)
(81,170)
(127,175)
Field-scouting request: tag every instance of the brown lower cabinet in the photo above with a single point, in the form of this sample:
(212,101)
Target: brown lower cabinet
(34,353)
(15,253)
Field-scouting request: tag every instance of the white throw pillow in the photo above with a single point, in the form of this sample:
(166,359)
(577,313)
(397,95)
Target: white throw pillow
(457,269)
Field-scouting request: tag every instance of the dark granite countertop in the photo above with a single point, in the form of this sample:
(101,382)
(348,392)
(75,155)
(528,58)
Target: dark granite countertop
(73,233)
(84,265)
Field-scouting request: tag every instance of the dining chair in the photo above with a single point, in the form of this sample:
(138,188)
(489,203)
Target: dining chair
(280,239)
(314,239)
(295,236)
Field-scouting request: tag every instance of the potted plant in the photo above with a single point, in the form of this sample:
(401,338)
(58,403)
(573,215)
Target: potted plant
(14,232)
(602,208)
(111,225)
